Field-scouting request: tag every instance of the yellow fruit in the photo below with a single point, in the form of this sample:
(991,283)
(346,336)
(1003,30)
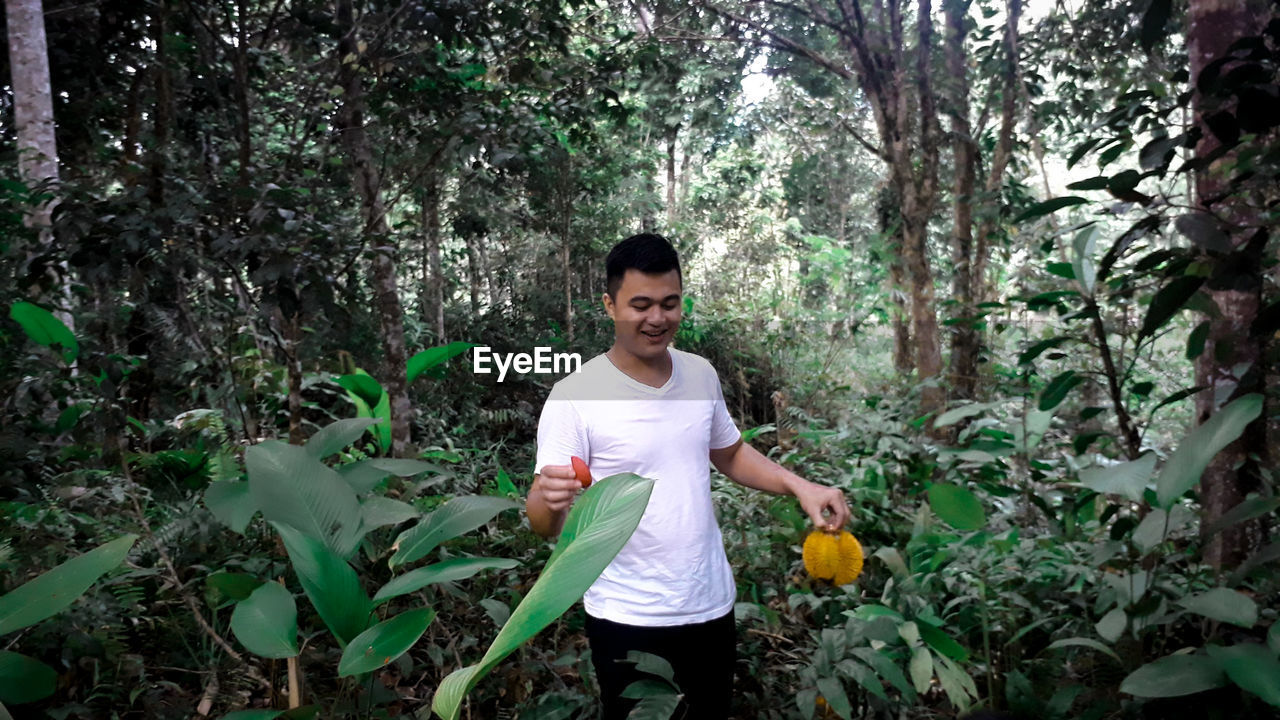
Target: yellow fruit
(850,566)
(834,557)
(821,555)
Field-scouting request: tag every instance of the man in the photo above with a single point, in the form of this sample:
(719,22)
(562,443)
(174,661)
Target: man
(645,408)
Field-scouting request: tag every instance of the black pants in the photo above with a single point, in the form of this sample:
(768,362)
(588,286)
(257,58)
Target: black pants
(702,656)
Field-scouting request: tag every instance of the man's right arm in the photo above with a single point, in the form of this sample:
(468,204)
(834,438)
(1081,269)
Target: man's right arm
(552,493)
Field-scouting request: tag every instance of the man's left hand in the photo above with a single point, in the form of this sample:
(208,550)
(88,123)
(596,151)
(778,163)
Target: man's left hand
(825,506)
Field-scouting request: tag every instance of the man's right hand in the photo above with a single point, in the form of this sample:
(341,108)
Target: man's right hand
(558,485)
(552,493)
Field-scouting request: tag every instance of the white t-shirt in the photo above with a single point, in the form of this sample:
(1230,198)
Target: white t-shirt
(673,570)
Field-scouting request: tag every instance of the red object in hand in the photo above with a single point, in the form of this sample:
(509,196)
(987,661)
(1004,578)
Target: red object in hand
(581,471)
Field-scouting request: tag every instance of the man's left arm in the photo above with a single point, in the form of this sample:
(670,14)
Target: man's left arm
(745,465)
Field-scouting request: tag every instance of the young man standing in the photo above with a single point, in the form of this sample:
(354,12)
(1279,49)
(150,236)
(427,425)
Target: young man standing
(658,412)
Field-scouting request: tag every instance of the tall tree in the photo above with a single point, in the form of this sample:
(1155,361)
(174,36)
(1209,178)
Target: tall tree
(892,64)
(368,185)
(1231,363)
(32,102)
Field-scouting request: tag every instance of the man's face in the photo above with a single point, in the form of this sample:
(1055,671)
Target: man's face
(646,312)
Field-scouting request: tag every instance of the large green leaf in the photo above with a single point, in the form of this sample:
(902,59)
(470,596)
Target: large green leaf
(266,623)
(599,524)
(53,591)
(1049,206)
(229,586)
(1128,478)
(446,571)
(956,414)
(1174,676)
(1083,247)
(24,679)
(1167,301)
(943,643)
(1253,667)
(456,517)
(833,691)
(431,360)
(294,488)
(957,506)
(371,401)
(921,668)
(330,583)
(1183,470)
(1056,391)
(1083,642)
(379,511)
(362,476)
(1252,507)
(337,435)
(384,642)
(231,503)
(42,327)
(1224,605)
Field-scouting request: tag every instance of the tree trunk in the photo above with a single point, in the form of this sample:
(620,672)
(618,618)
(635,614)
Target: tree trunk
(1234,287)
(473,271)
(32,97)
(433,276)
(671,177)
(964,338)
(163,108)
(33,117)
(890,221)
(245,149)
(350,122)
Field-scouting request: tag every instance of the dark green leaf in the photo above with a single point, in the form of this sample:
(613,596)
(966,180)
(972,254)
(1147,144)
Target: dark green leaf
(291,486)
(55,590)
(1182,471)
(1128,479)
(231,503)
(384,642)
(600,522)
(1056,391)
(1174,676)
(957,506)
(233,586)
(457,516)
(1224,605)
(1062,270)
(1168,301)
(362,386)
(1049,206)
(330,583)
(266,622)
(42,327)
(1251,666)
(1039,348)
(449,570)
(337,435)
(1154,21)
(1253,507)
(942,642)
(1196,339)
(431,361)
(24,679)
(1093,183)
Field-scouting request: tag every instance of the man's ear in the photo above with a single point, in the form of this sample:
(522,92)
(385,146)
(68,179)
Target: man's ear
(608,305)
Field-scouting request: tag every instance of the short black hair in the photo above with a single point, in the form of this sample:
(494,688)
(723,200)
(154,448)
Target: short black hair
(647,252)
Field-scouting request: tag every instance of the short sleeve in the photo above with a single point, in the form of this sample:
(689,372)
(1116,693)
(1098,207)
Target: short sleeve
(724,432)
(561,433)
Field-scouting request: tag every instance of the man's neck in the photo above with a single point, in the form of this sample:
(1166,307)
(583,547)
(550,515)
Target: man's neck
(654,373)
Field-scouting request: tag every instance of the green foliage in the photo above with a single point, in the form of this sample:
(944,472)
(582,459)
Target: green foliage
(598,525)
